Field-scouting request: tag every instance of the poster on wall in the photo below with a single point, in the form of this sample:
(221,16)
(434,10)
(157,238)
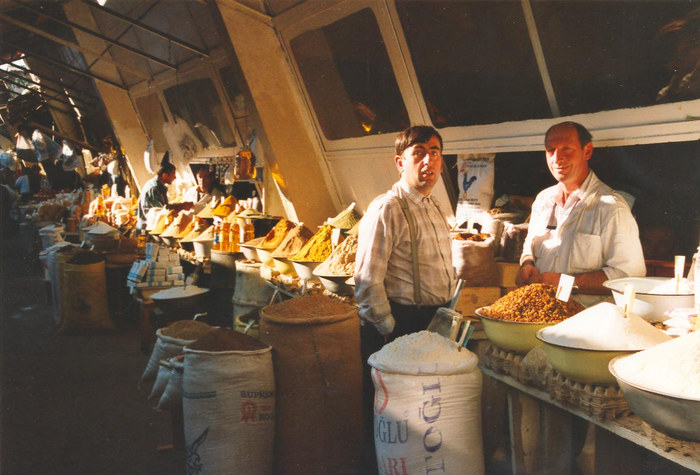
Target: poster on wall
(475,178)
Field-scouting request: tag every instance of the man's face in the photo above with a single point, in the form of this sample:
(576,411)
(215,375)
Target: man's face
(204,180)
(421,164)
(566,158)
(169,177)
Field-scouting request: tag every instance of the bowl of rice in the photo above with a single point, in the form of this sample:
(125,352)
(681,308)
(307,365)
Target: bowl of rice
(662,385)
(653,295)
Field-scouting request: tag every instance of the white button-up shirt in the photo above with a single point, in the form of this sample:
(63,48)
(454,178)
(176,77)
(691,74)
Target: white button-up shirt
(593,230)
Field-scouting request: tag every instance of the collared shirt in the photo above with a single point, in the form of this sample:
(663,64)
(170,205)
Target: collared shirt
(384,264)
(594,230)
(201,200)
(153,195)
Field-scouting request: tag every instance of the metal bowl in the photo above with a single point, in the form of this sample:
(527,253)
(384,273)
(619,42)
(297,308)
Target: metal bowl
(181,305)
(305,269)
(510,335)
(673,415)
(651,307)
(284,266)
(581,364)
(336,284)
(265,256)
(249,252)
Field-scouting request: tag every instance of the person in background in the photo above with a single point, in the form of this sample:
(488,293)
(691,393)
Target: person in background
(23,184)
(205,191)
(579,226)
(155,191)
(683,35)
(403,265)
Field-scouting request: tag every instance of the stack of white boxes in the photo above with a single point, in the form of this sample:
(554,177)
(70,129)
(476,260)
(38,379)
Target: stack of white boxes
(160,268)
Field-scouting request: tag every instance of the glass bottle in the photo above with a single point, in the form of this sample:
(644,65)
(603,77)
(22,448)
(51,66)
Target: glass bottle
(225,229)
(216,245)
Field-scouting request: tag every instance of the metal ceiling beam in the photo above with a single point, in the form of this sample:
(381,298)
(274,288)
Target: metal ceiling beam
(72,45)
(63,65)
(41,93)
(46,86)
(148,29)
(47,78)
(63,136)
(99,35)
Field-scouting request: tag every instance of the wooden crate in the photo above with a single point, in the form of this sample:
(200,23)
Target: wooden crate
(472,298)
(506,273)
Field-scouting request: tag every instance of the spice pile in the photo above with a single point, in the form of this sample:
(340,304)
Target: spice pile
(534,303)
(342,259)
(276,235)
(318,248)
(293,242)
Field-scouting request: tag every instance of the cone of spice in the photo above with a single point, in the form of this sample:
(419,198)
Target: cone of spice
(225,208)
(179,223)
(346,219)
(342,259)
(318,248)
(276,235)
(293,241)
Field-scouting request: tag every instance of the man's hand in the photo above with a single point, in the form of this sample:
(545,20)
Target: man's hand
(527,274)
(551,278)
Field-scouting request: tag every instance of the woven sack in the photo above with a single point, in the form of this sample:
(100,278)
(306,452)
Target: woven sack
(318,370)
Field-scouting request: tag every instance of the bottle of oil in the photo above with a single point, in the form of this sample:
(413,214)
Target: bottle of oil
(225,243)
(247,231)
(216,246)
(234,236)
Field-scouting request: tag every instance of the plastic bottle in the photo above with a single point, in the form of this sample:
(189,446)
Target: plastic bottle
(225,230)
(216,245)
(234,236)
(247,231)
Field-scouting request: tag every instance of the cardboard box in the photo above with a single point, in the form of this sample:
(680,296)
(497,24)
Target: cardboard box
(506,273)
(472,298)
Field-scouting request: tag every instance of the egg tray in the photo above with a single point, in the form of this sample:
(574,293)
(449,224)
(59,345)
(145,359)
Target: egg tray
(599,401)
(668,443)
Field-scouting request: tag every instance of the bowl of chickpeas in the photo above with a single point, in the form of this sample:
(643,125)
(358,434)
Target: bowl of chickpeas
(512,322)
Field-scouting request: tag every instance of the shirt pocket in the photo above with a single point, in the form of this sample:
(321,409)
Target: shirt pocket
(586,253)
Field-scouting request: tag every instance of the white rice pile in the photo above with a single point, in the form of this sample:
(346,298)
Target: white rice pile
(685,287)
(672,367)
(603,327)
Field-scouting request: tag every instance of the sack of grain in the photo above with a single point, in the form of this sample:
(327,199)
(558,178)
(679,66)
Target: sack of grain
(427,406)
(228,404)
(84,293)
(318,371)
(161,379)
(170,341)
(172,394)
(474,260)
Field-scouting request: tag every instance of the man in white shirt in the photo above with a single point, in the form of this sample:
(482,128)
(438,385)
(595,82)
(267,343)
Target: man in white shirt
(579,226)
(205,191)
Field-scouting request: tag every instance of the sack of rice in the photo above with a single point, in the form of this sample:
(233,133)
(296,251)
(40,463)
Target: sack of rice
(427,406)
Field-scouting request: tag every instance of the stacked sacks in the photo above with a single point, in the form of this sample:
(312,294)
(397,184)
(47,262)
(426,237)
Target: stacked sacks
(169,343)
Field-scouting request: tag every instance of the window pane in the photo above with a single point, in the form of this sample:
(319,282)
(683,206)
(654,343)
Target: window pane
(606,55)
(474,61)
(198,104)
(349,78)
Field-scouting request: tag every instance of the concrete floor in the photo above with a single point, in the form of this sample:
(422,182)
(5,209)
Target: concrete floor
(70,403)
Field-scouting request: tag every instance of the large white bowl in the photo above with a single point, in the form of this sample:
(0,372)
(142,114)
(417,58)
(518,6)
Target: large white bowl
(673,415)
(305,269)
(249,252)
(650,307)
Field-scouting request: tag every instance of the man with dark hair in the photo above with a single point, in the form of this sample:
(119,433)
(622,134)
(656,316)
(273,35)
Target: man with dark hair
(205,191)
(579,226)
(405,230)
(403,265)
(155,192)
